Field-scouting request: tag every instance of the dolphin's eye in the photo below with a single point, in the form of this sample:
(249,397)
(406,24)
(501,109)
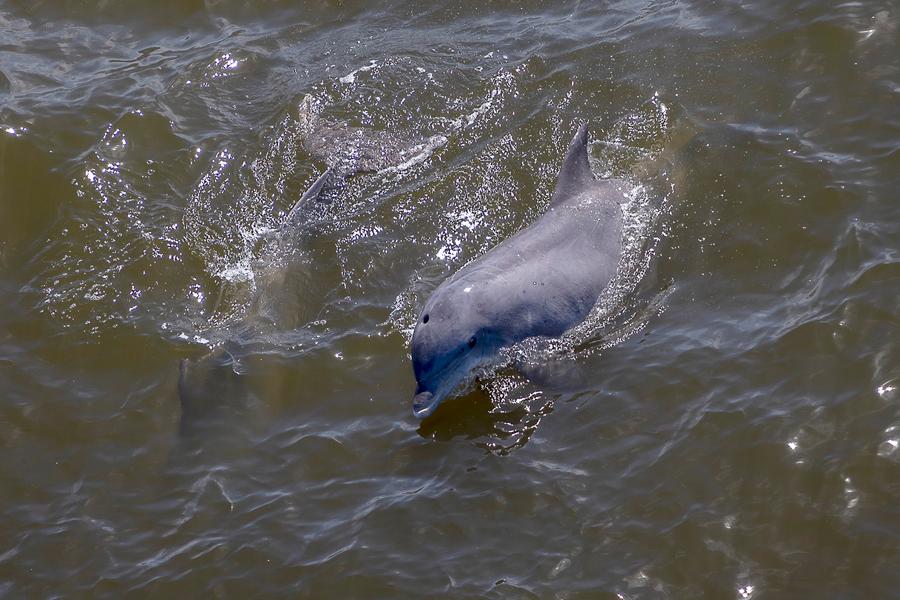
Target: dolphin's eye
(425,319)
(472,342)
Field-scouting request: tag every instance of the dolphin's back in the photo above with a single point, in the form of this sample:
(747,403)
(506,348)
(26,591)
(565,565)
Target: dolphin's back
(545,279)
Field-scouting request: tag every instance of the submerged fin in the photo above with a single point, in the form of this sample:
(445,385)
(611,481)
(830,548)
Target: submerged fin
(349,151)
(575,173)
(311,194)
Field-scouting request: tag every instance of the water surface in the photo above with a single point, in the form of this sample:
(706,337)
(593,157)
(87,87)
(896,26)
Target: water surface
(725,425)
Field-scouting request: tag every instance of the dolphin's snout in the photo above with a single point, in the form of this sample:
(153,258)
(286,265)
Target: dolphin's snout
(424,404)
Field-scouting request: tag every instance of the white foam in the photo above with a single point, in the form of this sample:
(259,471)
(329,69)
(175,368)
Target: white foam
(237,273)
(350,77)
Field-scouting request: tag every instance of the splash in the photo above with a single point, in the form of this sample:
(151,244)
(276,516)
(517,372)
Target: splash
(234,211)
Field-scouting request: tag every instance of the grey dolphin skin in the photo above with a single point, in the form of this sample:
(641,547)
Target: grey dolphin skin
(542,281)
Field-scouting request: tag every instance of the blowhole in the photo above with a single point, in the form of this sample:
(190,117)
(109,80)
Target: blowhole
(425,319)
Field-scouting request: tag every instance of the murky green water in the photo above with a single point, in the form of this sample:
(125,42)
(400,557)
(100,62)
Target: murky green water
(726,425)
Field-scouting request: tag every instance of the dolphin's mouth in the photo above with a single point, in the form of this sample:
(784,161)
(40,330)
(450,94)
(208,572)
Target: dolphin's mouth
(424,404)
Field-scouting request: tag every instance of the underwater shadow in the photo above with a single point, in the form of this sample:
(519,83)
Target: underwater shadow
(495,419)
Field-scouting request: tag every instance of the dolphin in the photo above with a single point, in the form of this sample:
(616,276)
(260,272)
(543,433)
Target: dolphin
(540,282)
(206,384)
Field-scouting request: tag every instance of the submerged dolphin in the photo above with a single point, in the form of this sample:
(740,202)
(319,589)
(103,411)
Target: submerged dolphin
(205,384)
(540,282)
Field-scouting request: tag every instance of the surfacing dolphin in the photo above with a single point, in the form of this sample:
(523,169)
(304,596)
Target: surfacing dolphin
(542,281)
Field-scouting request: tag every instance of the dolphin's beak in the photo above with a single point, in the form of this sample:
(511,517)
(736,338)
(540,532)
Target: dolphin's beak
(424,404)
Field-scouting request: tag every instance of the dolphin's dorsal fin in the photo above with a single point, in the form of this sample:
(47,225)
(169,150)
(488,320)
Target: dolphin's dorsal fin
(575,174)
(311,194)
